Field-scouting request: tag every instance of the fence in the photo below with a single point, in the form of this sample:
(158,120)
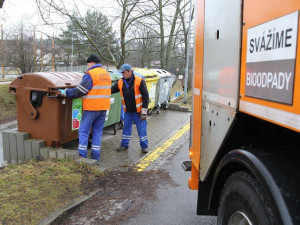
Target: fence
(13,72)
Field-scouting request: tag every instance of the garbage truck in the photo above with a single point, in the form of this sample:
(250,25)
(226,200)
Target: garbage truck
(245,123)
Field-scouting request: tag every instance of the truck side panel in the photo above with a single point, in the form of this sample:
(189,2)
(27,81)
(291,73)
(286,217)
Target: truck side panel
(222,46)
(246,110)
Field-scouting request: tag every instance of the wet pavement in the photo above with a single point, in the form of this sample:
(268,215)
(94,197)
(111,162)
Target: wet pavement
(158,195)
(160,127)
(174,202)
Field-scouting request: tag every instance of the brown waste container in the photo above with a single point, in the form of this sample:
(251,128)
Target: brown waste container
(40,111)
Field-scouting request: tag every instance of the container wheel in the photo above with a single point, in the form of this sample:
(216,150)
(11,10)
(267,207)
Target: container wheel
(243,202)
(149,112)
(115,126)
(120,125)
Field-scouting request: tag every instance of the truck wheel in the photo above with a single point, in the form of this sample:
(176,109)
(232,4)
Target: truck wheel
(243,202)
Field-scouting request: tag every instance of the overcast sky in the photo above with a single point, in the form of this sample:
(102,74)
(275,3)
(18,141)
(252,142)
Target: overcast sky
(15,11)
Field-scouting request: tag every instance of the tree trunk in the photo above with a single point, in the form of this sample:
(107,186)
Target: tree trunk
(162,34)
(170,42)
(1,3)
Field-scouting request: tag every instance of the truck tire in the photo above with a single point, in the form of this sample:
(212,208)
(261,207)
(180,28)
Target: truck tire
(243,202)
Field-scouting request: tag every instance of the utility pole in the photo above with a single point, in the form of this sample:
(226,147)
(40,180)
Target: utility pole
(188,54)
(53,54)
(2,51)
(42,59)
(34,51)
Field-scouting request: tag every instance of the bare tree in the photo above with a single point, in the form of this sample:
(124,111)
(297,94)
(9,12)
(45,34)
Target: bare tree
(20,50)
(131,11)
(160,16)
(181,39)
(167,20)
(1,3)
(144,48)
(99,30)
(49,7)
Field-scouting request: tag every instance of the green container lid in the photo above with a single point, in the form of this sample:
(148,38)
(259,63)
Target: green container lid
(114,75)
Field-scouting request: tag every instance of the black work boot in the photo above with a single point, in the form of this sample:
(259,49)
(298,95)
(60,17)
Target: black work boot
(144,150)
(122,148)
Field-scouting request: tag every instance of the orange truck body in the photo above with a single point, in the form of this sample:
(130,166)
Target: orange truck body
(246,70)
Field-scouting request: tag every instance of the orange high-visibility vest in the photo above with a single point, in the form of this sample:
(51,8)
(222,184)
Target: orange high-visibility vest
(137,93)
(99,96)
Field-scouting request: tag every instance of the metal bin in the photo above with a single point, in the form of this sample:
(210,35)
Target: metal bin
(163,90)
(41,113)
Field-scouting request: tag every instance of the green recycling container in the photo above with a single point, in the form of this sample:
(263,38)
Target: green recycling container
(114,114)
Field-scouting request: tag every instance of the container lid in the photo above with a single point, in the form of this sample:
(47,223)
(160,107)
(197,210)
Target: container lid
(44,81)
(138,74)
(147,73)
(114,75)
(162,73)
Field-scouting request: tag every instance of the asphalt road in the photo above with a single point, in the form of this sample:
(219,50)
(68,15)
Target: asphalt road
(175,203)
(157,195)
(165,199)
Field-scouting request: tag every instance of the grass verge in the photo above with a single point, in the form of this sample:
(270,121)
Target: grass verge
(7,104)
(180,99)
(31,191)
(178,87)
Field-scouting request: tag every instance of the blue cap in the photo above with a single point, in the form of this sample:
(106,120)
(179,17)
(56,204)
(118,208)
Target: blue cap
(124,67)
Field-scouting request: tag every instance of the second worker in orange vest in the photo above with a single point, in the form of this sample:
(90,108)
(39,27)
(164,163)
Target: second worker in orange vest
(135,100)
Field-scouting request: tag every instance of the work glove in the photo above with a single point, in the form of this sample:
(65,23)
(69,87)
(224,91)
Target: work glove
(62,93)
(143,115)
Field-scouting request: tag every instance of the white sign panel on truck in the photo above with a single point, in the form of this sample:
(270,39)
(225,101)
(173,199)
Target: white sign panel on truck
(271,57)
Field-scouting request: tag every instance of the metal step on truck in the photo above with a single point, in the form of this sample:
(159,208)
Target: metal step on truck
(245,141)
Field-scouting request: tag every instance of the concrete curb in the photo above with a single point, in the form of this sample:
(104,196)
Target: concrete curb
(177,107)
(53,217)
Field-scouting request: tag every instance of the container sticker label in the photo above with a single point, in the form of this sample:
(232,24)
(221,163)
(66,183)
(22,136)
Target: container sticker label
(152,92)
(271,57)
(112,100)
(76,113)
(165,89)
(107,115)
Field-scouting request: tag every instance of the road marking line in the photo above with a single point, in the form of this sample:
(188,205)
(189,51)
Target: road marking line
(152,156)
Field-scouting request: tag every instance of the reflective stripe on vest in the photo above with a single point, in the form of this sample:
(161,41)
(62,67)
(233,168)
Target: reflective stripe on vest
(99,96)
(137,93)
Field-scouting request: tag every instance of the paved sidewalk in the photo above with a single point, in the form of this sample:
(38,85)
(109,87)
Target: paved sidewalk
(160,127)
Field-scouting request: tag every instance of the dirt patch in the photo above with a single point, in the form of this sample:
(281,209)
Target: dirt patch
(121,196)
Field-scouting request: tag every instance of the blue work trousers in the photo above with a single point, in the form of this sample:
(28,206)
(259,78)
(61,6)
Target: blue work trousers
(91,120)
(141,126)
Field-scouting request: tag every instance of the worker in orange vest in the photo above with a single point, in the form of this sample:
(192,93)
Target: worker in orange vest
(95,89)
(135,100)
